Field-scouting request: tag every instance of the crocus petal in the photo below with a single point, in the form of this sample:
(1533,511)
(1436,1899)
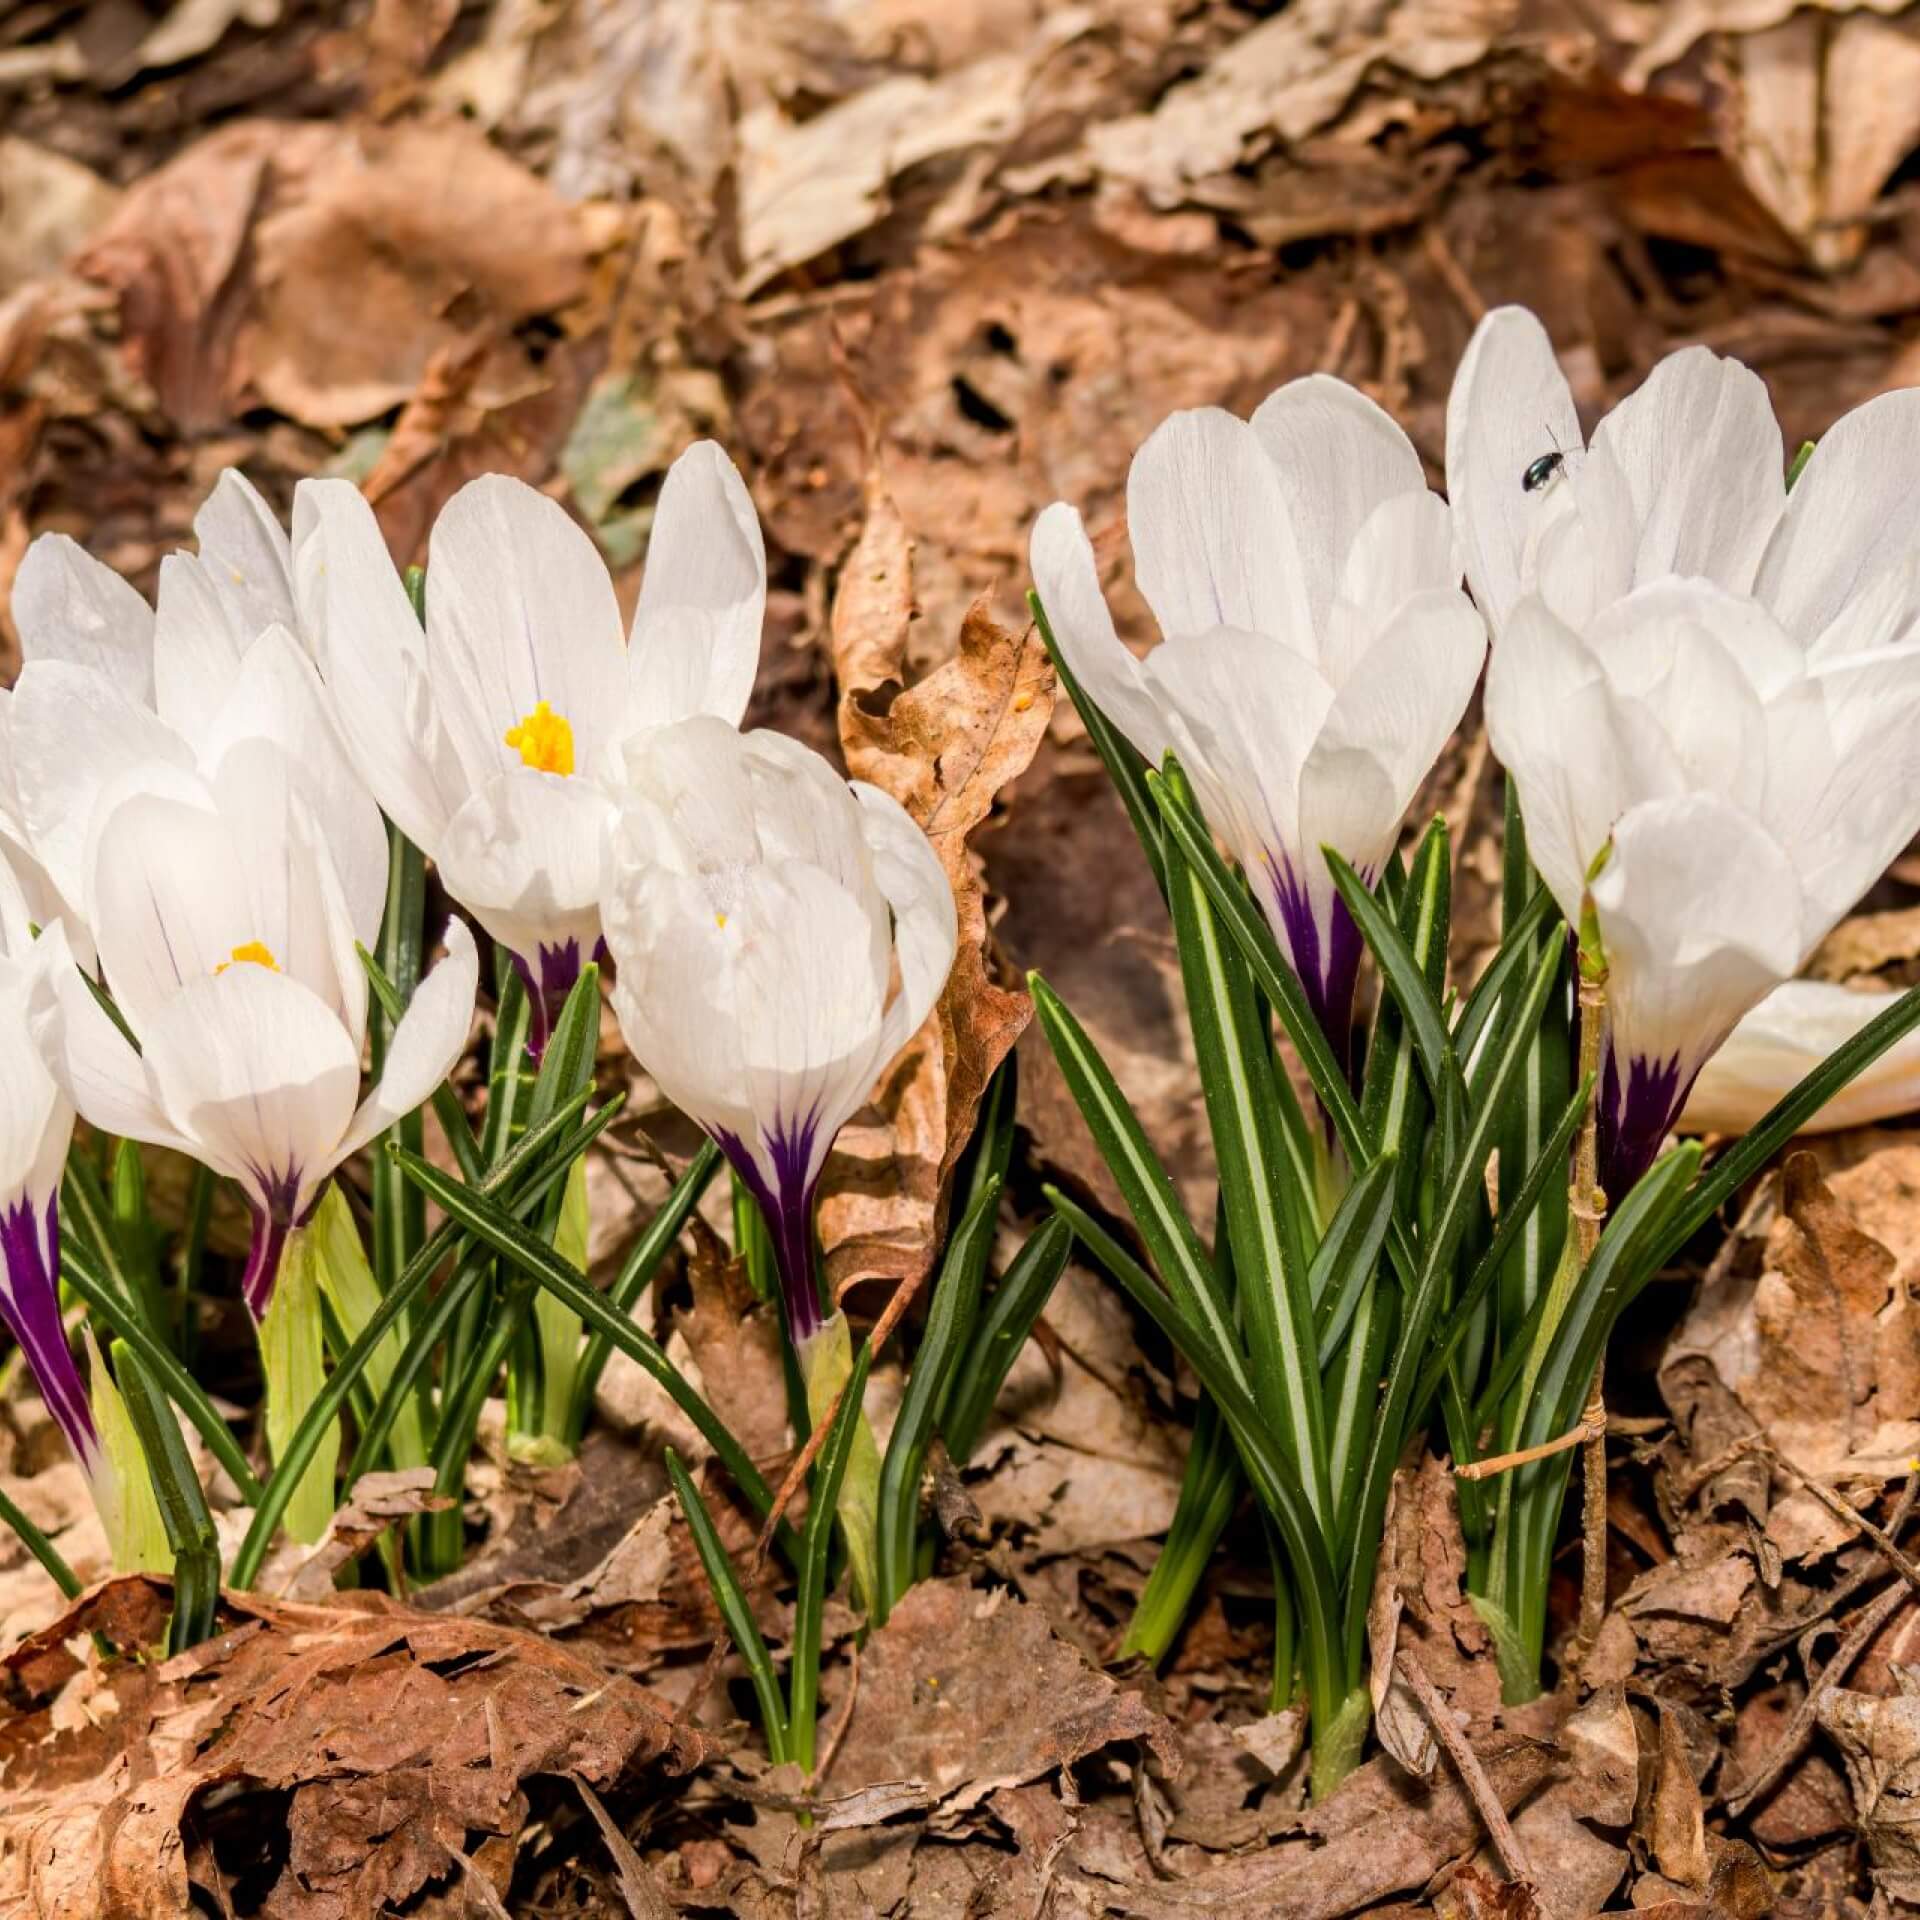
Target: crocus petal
(1510,404)
(1403,547)
(355,616)
(1853,514)
(926,928)
(259,1073)
(196,651)
(1338,457)
(30,1311)
(36,1119)
(1781,1041)
(520,612)
(246,554)
(1213,545)
(695,643)
(69,606)
(1700,450)
(430,1038)
(73,732)
(523,855)
(1068,583)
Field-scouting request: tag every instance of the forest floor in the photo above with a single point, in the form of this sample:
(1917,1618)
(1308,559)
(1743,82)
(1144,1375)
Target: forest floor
(924,266)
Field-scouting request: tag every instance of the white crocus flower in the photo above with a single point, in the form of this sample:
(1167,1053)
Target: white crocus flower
(109,683)
(1722,794)
(1782,1040)
(226,938)
(36,1125)
(1687,476)
(778,936)
(491,737)
(1317,650)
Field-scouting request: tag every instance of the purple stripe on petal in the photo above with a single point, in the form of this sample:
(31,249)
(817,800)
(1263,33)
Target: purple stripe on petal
(30,1306)
(273,1220)
(559,968)
(1636,1117)
(1328,979)
(787,1208)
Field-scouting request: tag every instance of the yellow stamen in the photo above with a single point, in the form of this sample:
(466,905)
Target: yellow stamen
(720,921)
(544,740)
(255,953)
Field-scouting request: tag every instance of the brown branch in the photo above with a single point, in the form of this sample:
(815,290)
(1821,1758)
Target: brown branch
(1466,1763)
(1526,1456)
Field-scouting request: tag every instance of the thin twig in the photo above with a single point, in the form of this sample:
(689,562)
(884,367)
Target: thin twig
(1685,1486)
(1588,1204)
(1850,1514)
(1473,1776)
(1526,1456)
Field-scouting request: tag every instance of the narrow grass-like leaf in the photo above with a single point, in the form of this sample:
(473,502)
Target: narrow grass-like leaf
(1125,767)
(1210,1489)
(52,1561)
(734,1609)
(956,1296)
(1394,1098)
(816,1541)
(1349,1256)
(181,1499)
(1509,967)
(487,1221)
(1012,1308)
(399,1213)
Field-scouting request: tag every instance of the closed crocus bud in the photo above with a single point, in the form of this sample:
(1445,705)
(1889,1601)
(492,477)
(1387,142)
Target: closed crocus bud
(36,1125)
(1686,476)
(1316,648)
(1781,1041)
(492,738)
(1719,793)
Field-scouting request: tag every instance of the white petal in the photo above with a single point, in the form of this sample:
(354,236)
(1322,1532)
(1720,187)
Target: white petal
(1699,913)
(244,548)
(1213,545)
(260,1075)
(36,1118)
(1782,1040)
(1584,538)
(1852,515)
(925,926)
(356,619)
(196,649)
(1404,547)
(69,606)
(89,1056)
(1701,452)
(73,732)
(696,631)
(1510,404)
(429,1040)
(1068,583)
(1338,457)
(520,610)
(524,857)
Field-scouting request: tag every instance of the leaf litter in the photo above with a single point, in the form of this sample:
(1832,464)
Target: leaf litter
(926,268)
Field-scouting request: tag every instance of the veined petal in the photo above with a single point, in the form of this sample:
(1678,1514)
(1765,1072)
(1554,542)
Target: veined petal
(1510,405)
(196,648)
(1068,583)
(1213,545)
(695,643)
(259,1073)
(1781,1041)
(30,1311)
(355,616)
(36,1118)
(73,732)
(69,606)
(1701,453)
(520,611)
(1338,457)
(1852,515)
(1404,547)
(247,556)
(524,856)
(430,1038)
(1584,540)
(88,1056)
(926,929)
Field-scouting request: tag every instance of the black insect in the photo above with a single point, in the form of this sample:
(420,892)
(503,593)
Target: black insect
(1541,471)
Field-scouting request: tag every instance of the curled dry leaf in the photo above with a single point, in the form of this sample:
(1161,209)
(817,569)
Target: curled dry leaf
(379,1500)
(944,748)
(1880,1742)
(390,1737)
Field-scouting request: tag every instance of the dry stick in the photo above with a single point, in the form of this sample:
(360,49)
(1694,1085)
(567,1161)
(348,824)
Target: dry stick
(1466,1763)
(1588,1205)
(1851,1515)
(1525,1457)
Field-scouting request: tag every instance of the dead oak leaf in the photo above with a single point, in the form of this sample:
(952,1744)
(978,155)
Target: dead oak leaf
(945,749)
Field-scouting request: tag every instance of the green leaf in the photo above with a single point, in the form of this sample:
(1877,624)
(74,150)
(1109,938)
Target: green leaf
(1349,1255)
(1012,1308)
(399,1214)
(52,1561)
(735,1610)
(182,1502)
(950,1318)
(1510,967)
(1210,1489)
(293,1358)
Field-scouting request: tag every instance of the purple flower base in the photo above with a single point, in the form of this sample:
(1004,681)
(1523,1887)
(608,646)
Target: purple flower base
(1636,1118)
(1327,978)
(272,1223)
(30,1306)
(547,990)
(787,1208)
